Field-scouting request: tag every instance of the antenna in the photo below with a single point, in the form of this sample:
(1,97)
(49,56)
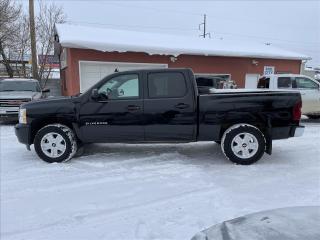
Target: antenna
(204,24)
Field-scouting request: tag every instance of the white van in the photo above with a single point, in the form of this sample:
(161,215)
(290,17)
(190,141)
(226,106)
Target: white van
(308,87)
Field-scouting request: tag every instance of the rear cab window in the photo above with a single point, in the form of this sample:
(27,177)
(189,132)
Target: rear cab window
(264,82)
(166,85)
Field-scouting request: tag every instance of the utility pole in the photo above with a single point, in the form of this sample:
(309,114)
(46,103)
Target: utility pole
(204,24)
(33,41)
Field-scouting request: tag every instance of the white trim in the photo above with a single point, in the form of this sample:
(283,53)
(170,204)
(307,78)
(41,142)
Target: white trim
(214,74)
(133,63)
(118,63)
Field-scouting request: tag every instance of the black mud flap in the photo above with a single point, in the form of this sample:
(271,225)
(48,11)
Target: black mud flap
(269,137)
(269,145)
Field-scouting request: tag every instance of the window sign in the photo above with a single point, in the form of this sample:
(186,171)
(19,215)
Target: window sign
(268,70)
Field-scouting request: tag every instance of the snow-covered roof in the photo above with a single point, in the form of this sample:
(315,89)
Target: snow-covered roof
(109,40)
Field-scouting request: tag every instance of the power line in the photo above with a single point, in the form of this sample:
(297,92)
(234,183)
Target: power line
(267,38)
(156,9)
(132,26)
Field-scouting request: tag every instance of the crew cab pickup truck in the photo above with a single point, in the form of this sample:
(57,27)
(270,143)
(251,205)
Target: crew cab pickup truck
(160,105)
(308,88)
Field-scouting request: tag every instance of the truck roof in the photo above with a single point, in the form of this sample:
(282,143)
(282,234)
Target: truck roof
(285,75)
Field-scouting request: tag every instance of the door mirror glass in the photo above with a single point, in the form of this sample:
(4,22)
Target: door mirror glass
(95,94)
(45,90)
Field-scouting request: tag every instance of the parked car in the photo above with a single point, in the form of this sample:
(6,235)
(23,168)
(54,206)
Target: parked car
(308,87)
(161,105)
(290,223)
(14,92)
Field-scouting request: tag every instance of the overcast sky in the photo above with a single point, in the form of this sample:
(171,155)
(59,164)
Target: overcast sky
(293,25)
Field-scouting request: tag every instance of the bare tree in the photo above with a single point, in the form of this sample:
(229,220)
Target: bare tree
(49,15)
(21,48)
(9,29)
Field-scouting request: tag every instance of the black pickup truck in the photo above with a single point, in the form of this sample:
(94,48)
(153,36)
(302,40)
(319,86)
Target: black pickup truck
(160,106)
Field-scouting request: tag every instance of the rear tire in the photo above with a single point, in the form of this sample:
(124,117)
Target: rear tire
(55,143)
(313,116)
(243,144)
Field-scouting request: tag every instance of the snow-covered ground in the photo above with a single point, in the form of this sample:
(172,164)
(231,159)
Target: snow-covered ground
(119,191)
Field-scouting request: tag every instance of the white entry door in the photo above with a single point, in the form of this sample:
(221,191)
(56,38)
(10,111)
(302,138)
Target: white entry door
(92,72)
(251,80)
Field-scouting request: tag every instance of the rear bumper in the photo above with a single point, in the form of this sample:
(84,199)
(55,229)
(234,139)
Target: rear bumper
(298,131)
(23,133)
(287,132)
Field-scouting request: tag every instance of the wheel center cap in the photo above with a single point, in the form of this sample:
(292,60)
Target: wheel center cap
(244,145)
(53,144)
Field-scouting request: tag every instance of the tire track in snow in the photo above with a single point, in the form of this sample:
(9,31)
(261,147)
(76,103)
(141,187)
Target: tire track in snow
(102,213)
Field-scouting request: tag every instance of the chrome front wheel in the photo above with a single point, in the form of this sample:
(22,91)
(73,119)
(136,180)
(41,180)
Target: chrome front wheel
(53,145)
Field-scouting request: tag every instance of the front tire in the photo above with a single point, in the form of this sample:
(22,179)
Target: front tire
(55,143)
(243,144)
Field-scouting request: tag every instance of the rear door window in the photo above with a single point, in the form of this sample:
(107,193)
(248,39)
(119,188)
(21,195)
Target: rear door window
(166,85)
(285,82)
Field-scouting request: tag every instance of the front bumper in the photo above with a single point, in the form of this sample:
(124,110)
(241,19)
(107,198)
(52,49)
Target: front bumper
(23,133)
(9,113)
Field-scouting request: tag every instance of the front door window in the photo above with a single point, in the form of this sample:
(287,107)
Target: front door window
(121,87)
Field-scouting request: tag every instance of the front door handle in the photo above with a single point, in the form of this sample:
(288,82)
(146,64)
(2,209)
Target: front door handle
(133,108)
(182,105)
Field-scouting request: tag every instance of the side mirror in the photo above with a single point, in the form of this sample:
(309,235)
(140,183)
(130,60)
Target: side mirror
(45,90)
(94,94)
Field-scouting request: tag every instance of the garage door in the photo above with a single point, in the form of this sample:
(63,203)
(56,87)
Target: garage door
(92,72)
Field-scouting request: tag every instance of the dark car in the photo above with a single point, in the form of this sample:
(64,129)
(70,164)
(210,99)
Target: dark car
(160,105)
(291,223)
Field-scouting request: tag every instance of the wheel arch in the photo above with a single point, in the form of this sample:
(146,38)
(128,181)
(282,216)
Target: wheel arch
(38,124)
(263,126)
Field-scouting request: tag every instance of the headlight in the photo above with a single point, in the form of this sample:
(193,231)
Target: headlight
(23,115)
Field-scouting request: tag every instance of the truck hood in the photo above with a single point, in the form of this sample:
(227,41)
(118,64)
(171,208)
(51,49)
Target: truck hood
(19,95)
(49,102)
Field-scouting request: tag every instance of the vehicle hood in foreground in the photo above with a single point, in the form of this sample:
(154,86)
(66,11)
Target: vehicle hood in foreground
(294,223)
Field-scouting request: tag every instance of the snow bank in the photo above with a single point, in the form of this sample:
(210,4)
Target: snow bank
(109,40)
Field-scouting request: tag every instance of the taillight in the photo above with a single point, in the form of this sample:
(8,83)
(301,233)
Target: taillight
(296,113)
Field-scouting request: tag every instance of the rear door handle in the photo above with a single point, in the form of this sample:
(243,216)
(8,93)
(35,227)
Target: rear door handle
(133,108)
(182,105)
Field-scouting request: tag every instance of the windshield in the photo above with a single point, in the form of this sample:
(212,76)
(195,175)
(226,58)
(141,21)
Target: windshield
(8,86)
